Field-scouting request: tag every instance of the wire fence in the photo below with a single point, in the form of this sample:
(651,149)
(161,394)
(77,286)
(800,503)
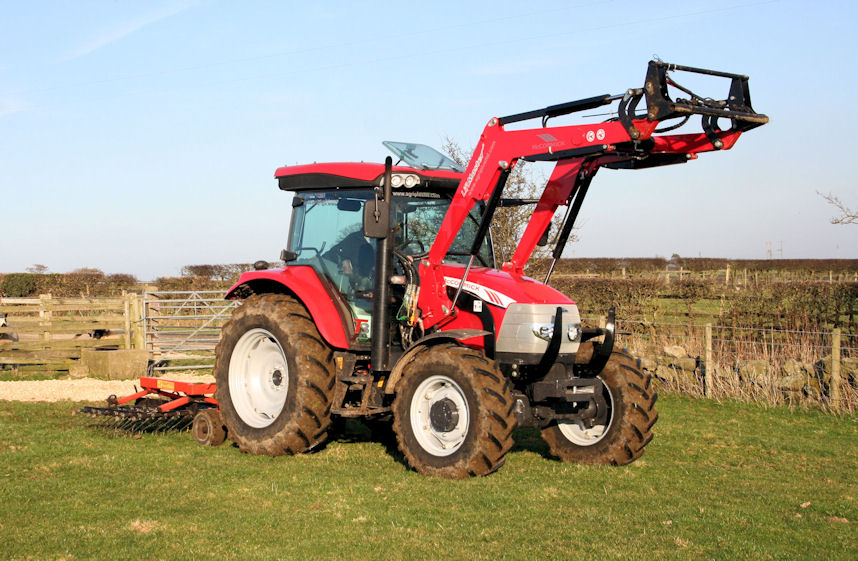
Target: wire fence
(180,330)
(775,366)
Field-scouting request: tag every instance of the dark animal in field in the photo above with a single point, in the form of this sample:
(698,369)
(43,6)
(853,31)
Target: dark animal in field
(7,336)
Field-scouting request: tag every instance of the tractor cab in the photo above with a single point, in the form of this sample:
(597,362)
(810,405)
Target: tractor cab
(326,230)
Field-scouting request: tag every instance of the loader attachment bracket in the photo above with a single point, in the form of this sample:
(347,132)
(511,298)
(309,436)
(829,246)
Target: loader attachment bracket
(601,351)
(736,107)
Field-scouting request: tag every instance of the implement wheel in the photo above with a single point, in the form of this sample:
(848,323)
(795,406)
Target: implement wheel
(631,416)
(275,377)
(453,413)
(208,428)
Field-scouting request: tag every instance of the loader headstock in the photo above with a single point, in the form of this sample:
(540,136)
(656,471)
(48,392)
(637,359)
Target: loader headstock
(736,106)
(660,106)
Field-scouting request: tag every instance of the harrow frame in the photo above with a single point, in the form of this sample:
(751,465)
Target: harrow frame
(181,405)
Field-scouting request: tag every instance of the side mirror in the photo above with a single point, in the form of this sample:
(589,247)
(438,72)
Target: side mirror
(376,219)
(376,212)
(286,256)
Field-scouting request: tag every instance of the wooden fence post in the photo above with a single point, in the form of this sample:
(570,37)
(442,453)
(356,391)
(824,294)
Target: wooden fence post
(137,317)
(727,277)
(835,370)
(708,366)
(126,307)
(46,315)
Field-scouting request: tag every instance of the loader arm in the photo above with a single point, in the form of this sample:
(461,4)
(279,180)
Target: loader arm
(630,141)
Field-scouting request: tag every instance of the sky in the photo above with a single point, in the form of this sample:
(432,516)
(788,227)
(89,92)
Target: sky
(140,137)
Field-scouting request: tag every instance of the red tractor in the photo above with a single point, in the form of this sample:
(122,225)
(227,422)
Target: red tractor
(390,306)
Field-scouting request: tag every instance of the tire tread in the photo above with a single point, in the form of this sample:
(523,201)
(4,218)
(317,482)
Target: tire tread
(309,424)
(494,417)
(635,406)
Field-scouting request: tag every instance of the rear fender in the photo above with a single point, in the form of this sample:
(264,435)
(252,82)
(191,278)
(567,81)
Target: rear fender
(333,321)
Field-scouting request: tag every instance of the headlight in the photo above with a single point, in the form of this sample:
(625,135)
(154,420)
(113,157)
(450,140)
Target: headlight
(573,331)
(407,180)
(545,331)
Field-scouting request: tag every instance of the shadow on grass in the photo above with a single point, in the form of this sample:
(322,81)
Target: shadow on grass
(343,431)
(530,440)
(381,431)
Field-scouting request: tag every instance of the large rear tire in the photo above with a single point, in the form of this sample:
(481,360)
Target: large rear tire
(275,377)
(453,413)
(631,416)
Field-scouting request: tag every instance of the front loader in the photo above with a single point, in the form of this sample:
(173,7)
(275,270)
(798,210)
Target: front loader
(390,307)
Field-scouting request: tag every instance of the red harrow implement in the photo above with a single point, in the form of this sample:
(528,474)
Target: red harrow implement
(162,405)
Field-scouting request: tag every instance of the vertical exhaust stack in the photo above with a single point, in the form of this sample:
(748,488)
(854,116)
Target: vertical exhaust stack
(381,214)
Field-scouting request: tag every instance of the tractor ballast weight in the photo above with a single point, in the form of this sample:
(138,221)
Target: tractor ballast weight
(389,307)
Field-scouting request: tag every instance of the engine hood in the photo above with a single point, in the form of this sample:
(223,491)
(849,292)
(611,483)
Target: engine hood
(501,288)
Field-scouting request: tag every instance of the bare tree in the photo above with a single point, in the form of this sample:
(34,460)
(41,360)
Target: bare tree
(37,269)
(847,215)
(88,272)
(510,221)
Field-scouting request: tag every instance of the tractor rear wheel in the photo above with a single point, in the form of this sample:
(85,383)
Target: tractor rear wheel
(631,416)
(453,413)
(275,377)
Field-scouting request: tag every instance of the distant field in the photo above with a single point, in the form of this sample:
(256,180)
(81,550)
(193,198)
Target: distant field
(720,481)
(93,282)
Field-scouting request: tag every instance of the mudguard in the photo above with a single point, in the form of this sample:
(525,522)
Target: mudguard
(431,339)
(333,322)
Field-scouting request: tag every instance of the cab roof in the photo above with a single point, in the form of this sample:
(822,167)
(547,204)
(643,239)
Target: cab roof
(358,175)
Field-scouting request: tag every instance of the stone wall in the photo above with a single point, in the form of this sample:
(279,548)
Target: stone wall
(793,379)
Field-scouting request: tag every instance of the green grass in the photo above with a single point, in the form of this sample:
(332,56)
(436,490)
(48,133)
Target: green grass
(720,481)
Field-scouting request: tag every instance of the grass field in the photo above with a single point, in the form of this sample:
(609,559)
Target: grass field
(720,481)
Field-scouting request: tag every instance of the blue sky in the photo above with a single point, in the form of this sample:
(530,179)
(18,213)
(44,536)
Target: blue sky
(139,137)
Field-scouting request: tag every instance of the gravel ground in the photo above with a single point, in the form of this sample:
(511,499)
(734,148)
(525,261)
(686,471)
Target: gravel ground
(85,389)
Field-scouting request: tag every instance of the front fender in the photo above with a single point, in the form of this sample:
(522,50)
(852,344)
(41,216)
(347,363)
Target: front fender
(333,322)
(431,339)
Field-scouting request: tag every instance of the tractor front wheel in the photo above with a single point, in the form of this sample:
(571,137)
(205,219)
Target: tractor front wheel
(453,413)
(275,377)
(631,416)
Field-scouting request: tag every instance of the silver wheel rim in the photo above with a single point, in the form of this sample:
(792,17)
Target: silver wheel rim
(258,378)
(439,396)
(575,431)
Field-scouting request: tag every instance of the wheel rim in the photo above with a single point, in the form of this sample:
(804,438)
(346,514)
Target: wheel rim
(203,430)
(439,415)
(575,431)
(258,378)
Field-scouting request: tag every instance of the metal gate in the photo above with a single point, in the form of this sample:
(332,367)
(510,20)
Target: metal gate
(184,326)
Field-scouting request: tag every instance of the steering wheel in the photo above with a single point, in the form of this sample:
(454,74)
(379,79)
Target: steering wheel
(317,251)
